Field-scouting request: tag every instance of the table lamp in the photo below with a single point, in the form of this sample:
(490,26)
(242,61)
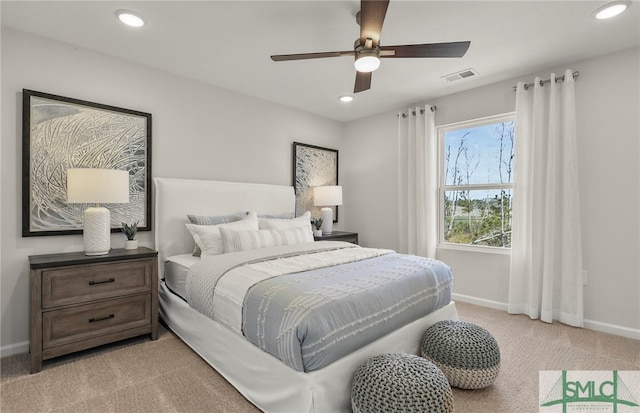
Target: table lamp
(327,197)
(97,186)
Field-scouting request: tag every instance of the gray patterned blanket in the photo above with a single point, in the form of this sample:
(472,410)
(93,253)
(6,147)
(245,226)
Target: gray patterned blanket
(313,316)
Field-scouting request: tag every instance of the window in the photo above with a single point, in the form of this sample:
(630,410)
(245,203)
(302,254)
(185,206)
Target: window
(476,181)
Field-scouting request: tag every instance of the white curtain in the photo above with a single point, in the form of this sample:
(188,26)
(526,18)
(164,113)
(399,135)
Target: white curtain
(418,182)
(546,247)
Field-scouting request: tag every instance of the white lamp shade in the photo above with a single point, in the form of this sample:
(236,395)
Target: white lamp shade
(327,195)
(97,186)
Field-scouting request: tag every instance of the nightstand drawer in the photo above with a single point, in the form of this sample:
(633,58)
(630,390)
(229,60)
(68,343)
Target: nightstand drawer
(348,238)
(344,236)
(79,284)
(91,320)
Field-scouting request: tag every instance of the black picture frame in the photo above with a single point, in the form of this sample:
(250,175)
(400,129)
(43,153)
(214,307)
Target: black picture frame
(60,133)
(313,166)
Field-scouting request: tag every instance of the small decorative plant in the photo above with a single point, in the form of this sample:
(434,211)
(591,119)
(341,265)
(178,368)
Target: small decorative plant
(317,223)
(130,230)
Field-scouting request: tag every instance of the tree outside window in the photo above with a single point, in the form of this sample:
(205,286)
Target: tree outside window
(476,181)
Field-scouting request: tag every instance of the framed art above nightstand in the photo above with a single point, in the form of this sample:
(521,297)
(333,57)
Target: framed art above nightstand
(80,301)
(345,236)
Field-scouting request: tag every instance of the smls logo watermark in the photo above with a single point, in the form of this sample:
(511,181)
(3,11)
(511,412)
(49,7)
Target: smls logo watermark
(589,391)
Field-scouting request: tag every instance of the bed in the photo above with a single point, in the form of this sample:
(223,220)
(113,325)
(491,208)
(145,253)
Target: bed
(264,379)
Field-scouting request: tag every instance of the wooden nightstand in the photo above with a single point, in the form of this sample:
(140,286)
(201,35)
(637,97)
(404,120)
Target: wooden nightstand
(351,237)
(80,301)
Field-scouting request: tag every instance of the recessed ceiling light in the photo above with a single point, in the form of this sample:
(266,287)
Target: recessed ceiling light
(346,98)
(130,18)
(611,9)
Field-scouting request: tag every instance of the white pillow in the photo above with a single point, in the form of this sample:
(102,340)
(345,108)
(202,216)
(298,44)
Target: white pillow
(250,240)
(209,239)
(303,221)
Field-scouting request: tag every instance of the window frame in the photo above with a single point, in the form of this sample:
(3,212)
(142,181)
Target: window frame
(441,130)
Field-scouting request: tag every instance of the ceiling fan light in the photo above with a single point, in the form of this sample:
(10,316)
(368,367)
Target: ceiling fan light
(610,9)
(130,18)
(366,63)
(346,98)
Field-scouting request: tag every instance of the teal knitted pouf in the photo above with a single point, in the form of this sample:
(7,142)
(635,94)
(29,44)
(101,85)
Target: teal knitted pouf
(467,354)
(399,382)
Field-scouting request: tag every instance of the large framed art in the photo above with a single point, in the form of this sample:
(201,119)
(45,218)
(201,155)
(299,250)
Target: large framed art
(313,166)
(60,133)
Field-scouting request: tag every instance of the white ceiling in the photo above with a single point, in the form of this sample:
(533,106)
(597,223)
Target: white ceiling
(228,43)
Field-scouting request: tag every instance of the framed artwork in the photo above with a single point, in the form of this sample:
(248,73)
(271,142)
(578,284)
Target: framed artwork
(313,166)
(60,133)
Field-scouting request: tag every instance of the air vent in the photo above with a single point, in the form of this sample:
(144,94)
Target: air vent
(463,74)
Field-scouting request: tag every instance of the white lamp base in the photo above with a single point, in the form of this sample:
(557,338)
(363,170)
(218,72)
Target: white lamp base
(96,231)
(327,220)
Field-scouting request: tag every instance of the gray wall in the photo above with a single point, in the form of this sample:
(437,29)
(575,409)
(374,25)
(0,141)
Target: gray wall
(199,131)
(608,113)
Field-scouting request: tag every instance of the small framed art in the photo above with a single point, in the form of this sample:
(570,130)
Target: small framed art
(313,166)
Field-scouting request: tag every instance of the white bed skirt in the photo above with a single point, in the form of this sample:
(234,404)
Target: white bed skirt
(267,382)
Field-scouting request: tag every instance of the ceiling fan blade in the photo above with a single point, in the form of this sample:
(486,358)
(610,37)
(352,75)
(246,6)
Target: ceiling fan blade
(363,82)
(372,14)
(302,56)
(453,49)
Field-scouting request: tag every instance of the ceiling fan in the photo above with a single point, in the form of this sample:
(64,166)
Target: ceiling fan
(368,51)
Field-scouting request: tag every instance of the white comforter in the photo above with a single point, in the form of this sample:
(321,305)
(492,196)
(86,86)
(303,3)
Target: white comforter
(218,284)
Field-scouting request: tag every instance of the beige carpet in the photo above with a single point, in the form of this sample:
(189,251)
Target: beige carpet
(139,375)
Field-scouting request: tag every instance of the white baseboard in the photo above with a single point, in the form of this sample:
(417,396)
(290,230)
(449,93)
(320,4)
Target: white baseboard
(612,329)
(12,349)
(496,305)
(588,324)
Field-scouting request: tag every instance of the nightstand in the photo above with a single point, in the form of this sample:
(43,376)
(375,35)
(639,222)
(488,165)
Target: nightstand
(80,301)
(351,237)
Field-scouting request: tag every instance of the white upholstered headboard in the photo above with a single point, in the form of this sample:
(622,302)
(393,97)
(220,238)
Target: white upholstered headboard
(175,198)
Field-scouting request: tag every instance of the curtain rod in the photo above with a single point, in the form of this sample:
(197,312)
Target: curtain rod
(413,112)
(544,82)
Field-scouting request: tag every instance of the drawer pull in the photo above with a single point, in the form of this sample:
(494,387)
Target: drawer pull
(93,320)
(110,280)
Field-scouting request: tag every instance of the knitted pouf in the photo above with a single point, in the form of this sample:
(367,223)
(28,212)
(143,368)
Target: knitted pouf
(400,382)
(466,353)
